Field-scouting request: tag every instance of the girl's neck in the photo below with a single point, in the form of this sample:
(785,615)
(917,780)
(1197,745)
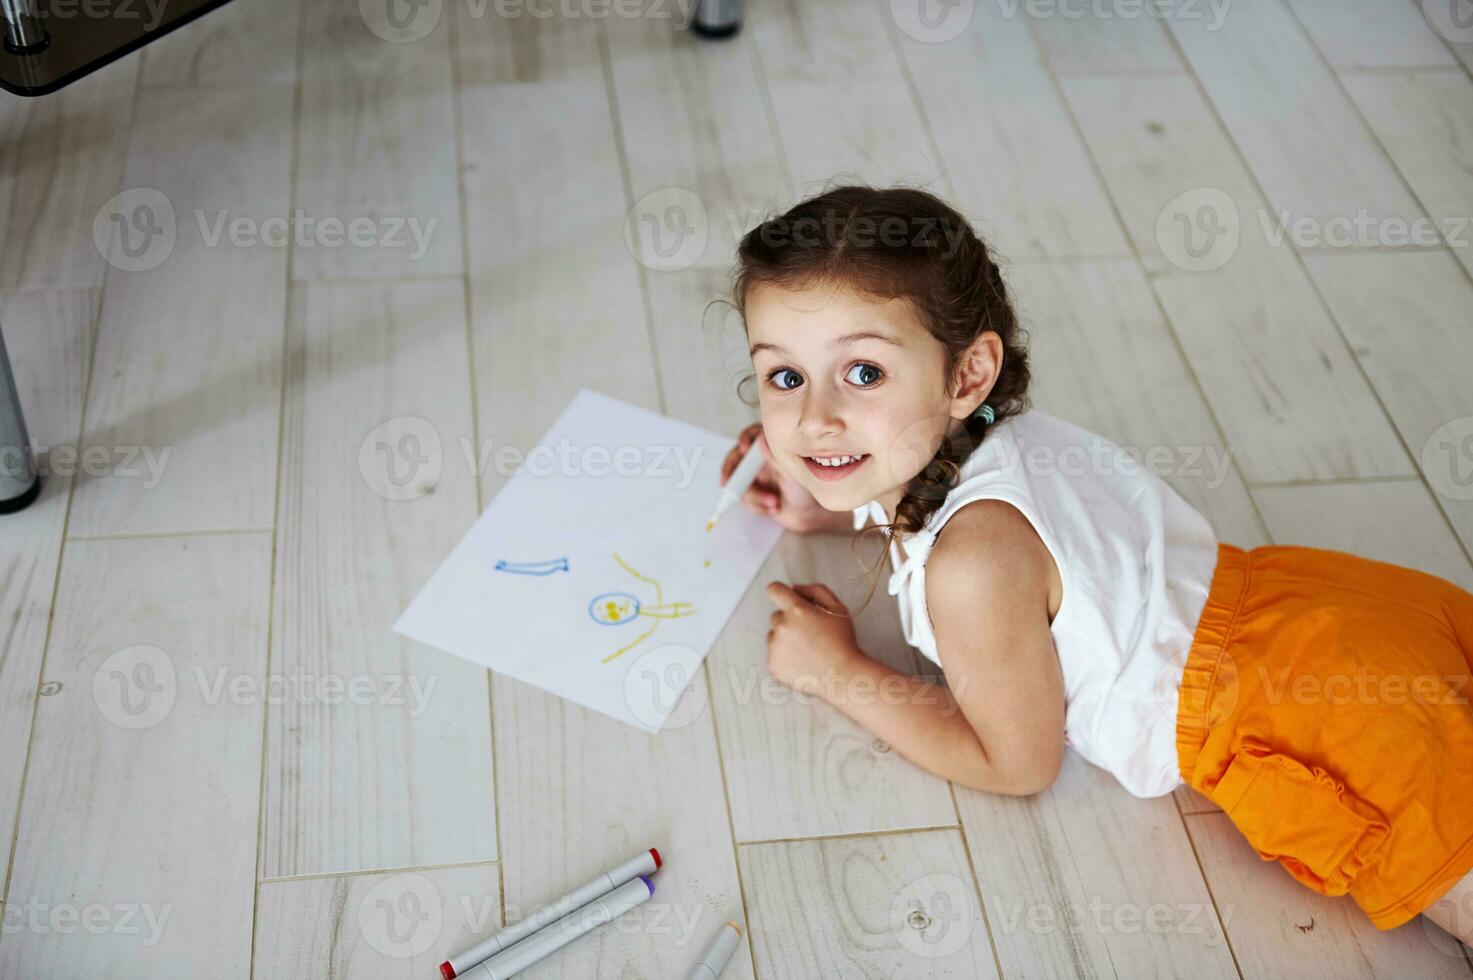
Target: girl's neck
(890,501)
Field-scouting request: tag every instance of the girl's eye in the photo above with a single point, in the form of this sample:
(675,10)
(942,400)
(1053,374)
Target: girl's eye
(867,375)
(779,385)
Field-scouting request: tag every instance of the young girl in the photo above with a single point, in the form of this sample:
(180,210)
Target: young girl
(1070,596)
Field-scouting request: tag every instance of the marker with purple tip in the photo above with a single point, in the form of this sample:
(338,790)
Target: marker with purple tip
(643,863)
(540,945)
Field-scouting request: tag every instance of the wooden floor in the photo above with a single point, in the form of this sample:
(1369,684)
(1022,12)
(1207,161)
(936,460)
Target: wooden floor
(216,760)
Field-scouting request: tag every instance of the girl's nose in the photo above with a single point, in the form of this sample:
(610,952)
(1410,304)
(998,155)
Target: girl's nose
(820,417)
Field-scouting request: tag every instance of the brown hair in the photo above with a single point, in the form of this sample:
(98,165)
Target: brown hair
(890,243)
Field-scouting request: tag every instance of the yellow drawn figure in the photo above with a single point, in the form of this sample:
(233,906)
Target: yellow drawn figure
(618,608)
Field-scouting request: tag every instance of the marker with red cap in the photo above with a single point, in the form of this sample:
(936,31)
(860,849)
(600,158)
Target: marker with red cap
(540,945)
(645,864)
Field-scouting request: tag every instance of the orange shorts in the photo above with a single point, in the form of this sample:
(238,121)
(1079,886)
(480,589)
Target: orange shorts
(1326,706)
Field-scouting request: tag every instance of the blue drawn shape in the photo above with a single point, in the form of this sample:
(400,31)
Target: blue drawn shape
(613,608)
(533,567)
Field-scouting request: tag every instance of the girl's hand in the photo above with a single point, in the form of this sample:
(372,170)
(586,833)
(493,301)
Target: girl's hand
(805,641)
(774,493)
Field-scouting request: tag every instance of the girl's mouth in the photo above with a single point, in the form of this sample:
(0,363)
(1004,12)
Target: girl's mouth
(824,472)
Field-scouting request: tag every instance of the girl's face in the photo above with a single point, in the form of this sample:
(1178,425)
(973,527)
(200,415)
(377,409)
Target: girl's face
(841,374)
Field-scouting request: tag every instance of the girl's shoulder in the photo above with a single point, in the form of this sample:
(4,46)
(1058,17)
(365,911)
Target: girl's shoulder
(988,539)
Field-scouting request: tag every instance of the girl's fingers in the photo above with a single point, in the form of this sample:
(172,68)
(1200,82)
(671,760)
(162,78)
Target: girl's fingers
(761,501)
(734,458)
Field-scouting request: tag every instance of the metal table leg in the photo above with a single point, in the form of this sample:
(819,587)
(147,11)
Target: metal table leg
(19,482)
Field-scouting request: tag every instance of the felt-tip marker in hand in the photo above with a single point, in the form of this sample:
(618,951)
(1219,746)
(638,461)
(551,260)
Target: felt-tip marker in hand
(741,479)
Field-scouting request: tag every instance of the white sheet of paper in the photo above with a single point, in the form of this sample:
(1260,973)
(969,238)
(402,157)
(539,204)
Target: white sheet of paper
(602,532)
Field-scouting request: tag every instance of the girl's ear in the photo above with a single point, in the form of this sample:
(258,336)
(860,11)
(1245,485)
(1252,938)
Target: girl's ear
(977,372)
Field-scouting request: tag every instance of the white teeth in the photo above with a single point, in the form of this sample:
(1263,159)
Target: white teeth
(836,460)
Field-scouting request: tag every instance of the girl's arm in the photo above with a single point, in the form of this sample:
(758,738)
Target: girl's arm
(922,721)
(1001,726)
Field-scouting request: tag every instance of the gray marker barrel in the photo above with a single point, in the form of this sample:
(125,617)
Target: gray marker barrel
(538,947)
(741,478)
(645,864)
(718,954)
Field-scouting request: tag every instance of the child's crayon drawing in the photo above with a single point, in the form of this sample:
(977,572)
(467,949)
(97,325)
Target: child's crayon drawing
(533,567)
(541,587)
(618,608)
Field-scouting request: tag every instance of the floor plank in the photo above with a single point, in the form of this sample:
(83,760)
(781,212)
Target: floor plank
(137,837)
(1279,376)
(1276,369)
(1271,362)
(818,40)
(1371,34)
(1098,319)
(1014,165)
(48,336)
(1297,129)
(530,319)
(396,926)
(897,905)
(701,345)
(1156,140)
(61,158)
(237,44)
(703,164)
(189,376)
(1407,317)
(1425,121)
(1388,520)
(1107,40)
(1447,22)
(1087,880)
(519,42)
(856,130)
(376,149)
(375,490)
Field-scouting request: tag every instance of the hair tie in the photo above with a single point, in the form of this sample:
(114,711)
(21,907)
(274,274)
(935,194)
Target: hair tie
(985,411)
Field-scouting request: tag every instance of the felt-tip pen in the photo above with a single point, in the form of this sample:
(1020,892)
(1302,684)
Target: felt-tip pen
(543,943)
(741,479)
(718,954)
(645,863)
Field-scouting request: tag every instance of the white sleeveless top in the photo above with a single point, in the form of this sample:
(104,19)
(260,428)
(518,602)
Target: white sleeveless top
(1136,562)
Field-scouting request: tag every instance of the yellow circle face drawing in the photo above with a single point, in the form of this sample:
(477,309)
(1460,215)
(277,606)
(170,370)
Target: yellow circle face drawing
(613,608)
(618,608)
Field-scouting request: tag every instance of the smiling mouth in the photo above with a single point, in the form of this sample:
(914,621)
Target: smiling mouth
(835,472)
